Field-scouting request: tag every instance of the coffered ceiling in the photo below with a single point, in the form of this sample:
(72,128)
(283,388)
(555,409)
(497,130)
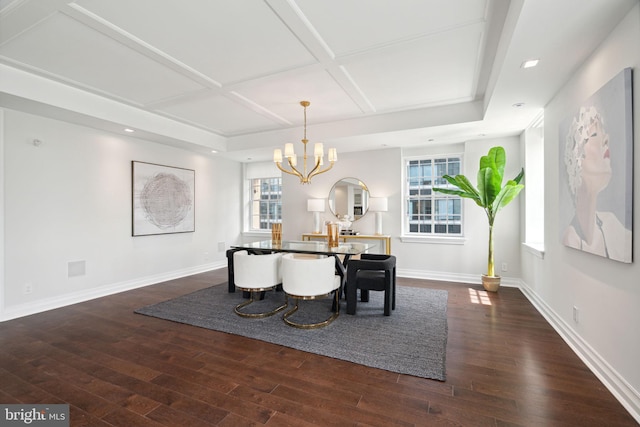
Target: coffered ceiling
(229,74)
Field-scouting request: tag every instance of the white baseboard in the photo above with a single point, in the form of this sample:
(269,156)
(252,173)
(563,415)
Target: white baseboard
(46,304)
(617,385)
(474,279)
(612,380)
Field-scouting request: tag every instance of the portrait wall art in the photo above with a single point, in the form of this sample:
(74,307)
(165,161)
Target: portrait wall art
(163,199)
(596,172)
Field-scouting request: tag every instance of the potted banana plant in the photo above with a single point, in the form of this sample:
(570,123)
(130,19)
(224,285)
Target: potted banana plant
(491,195)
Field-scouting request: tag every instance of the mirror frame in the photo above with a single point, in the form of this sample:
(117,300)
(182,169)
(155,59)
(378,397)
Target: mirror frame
(364,203)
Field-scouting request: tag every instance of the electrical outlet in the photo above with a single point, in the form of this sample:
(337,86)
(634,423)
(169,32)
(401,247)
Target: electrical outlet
(504,266)
(28,288)
(221,246)
(576,314)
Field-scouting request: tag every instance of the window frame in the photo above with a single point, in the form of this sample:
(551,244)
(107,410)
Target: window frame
(254,218)
(431,236)
(534,217)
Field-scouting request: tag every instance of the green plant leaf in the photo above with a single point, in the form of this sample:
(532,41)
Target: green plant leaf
(488,185)
(451,191)
(463,183)
(518,178)
(466,189)
(509,192)
(487,162)
(500,160)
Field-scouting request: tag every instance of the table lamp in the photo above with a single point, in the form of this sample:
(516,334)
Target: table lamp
(378,205)
(316,206)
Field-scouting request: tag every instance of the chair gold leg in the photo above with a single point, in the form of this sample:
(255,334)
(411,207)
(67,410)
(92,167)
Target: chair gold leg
(333,317)
(259,315)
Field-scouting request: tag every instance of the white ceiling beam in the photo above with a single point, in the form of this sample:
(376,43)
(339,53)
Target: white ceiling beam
(291,15)
(379,123)
(76,103)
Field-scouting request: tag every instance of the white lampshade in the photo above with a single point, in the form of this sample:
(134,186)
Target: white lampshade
(378,204)
(315,205)
(333,155)
(288,150)
(277,155)
(318,150)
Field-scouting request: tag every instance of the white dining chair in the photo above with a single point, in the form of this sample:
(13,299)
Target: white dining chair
(256,274)
(308,279)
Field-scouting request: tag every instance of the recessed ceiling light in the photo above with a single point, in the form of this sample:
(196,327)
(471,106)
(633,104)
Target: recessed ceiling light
(214,151)
(529,63)
(129,130)
(518,104)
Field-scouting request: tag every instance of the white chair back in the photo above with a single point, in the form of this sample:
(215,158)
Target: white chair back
(257,271)
(307,277)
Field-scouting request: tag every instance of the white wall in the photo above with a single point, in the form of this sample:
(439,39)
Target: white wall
(382,172)
(69,199)
(606,292)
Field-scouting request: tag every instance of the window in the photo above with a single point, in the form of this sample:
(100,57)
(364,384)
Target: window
(429,213)
(534,185)
(266,203)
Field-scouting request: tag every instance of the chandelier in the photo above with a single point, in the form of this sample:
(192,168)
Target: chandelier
(318,154)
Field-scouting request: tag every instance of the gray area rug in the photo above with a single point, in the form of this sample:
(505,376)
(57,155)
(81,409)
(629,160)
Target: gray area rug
(411,341)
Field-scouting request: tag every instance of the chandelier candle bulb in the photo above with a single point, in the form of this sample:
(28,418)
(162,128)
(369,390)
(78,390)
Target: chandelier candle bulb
(288,150)
(333,155)
(277,155)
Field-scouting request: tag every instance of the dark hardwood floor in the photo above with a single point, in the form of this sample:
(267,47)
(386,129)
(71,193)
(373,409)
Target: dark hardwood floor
(505,367)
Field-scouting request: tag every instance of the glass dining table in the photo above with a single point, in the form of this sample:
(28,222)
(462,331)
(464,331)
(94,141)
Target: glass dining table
(341,253)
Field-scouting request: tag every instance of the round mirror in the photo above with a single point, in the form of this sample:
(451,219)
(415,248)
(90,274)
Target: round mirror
(349,196)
